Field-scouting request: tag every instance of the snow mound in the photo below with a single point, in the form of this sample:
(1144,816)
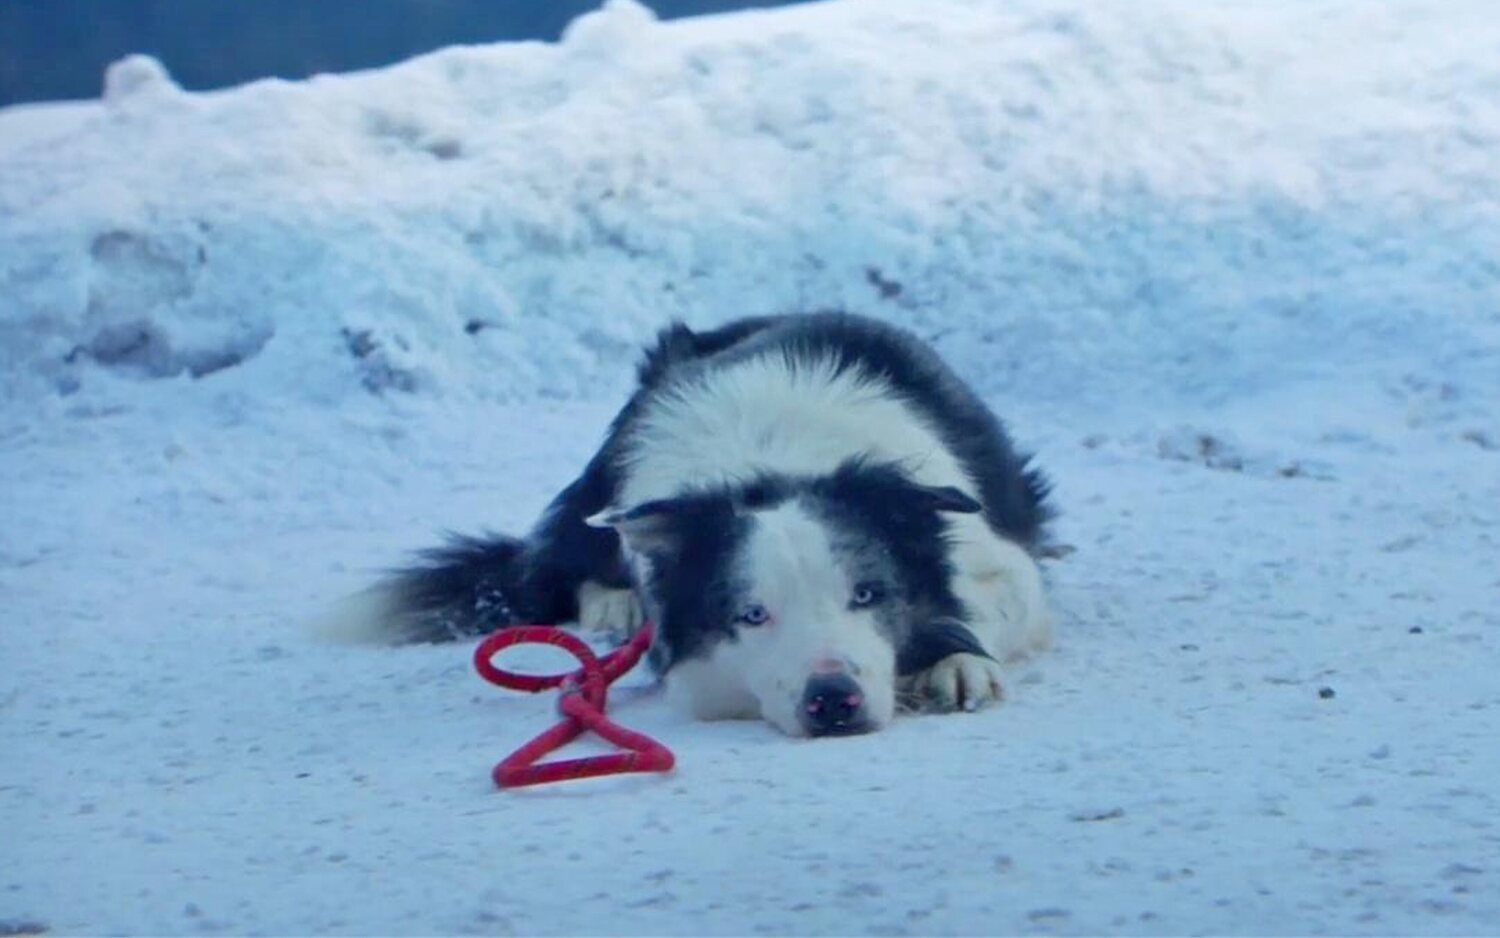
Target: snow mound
(136,77)
(1170,200)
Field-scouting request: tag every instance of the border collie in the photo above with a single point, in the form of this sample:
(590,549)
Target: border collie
(822,520)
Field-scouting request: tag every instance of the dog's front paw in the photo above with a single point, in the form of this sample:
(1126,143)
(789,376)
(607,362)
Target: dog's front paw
(960,682)
(609,611)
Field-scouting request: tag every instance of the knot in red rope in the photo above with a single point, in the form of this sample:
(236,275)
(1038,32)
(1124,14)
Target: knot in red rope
(582,704)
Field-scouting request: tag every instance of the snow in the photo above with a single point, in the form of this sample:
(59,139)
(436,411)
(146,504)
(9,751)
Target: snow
(1234,272)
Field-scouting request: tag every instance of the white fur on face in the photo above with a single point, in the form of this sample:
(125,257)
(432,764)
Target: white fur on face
(711,688)
(789,567)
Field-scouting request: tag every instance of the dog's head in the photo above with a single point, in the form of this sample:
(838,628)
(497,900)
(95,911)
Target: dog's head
(791,598)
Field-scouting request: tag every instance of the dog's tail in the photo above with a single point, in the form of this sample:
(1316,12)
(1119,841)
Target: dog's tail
(469,586)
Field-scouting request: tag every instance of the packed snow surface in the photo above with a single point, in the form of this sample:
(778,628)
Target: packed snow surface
(1232,271)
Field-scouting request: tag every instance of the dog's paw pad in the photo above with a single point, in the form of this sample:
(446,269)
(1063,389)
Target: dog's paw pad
(962,682)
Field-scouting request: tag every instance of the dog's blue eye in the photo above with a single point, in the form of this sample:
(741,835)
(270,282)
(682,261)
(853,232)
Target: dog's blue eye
(755,614)
(867,594)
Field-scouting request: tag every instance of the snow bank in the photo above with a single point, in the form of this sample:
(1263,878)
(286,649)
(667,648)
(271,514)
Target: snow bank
(1170,200)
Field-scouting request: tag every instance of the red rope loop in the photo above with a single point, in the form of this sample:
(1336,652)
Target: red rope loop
(582,704)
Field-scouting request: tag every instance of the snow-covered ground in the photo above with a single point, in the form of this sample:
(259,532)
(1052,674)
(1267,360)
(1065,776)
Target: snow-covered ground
(1234,272)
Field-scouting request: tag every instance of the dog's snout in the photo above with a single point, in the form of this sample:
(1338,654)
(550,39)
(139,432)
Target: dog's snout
(828,664)
(833,705)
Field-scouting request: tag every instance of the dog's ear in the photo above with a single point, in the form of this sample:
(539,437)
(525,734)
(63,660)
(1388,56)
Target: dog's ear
(948,498)
(658,526)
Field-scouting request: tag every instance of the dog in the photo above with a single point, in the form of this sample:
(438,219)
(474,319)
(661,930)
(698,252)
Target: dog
(824,523)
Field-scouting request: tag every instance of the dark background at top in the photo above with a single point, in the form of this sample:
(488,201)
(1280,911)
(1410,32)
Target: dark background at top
(51,49)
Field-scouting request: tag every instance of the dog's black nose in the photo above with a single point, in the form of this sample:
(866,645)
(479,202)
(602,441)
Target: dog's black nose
(833,705)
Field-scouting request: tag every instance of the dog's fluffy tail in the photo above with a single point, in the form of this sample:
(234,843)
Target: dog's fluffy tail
(470,586)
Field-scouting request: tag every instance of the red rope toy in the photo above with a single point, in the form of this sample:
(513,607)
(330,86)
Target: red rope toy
(582,706)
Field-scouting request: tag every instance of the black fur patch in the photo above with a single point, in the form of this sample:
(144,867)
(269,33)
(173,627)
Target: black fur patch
(932,641)
(691,591)
(677,344)
(469,586)
(876,507)
(567,551)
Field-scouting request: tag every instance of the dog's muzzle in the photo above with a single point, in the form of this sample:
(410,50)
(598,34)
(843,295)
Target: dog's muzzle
(833,704)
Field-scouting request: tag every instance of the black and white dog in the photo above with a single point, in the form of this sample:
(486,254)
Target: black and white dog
(822,520)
